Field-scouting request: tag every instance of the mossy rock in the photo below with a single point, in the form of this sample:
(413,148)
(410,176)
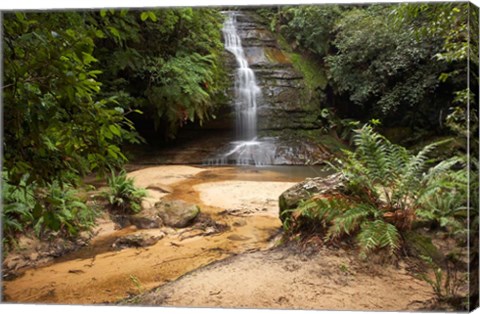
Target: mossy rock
(291,198)
(313,73)
(177,213)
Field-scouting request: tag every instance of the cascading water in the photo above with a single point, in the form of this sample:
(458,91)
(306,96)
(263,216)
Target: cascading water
(247,149)
(246,88)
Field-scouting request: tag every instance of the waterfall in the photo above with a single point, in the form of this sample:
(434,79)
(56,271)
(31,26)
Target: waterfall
(247,149)
(246,88)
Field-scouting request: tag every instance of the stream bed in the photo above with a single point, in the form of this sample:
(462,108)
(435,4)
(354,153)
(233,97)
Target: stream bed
(227,258)
(243,199)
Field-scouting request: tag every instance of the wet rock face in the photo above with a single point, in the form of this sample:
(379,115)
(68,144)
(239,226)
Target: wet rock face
(287,111)
(284,102)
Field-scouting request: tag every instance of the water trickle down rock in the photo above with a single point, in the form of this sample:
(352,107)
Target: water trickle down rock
(269,97)
(246,89)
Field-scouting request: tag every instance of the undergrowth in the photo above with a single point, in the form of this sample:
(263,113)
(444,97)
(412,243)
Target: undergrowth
(123,196)
(386,187)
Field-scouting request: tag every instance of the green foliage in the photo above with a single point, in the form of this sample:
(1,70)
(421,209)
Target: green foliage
(123,196)
(445,284)
(384,173)
(54,121)
(341,216)
(70,81)
(169,66)
(386,187)
(403,63)
(445,201)
(314,215)
(309,27)
(18,202)
(55,208)
(59,209)
(181,93)
(449,24)
(379,65)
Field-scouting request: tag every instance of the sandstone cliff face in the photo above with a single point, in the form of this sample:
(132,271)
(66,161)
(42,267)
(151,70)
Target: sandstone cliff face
(285,103)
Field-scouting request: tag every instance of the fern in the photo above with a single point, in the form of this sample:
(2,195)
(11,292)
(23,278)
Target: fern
(349,220)
(123,196)
(319,212)
(387,186)
(378,234)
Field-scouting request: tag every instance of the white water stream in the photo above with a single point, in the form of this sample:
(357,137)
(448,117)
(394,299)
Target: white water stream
(247,149)
(246,89)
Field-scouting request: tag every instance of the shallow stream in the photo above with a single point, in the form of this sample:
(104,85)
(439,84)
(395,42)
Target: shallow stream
(244,199)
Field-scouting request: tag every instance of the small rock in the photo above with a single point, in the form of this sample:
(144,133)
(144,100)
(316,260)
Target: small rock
(210,230)
(136,240)
(146,204)
(146,219)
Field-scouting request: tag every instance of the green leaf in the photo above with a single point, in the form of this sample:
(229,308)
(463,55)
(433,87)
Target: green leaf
(144,16)
(152,16)
(115,130)
(88,58)
(114,32)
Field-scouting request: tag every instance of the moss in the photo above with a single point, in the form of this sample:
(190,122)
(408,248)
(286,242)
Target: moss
(313,73)
(282,204)
(282,42)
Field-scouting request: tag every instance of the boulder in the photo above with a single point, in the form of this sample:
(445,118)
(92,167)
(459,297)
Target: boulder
(148,218)
(332,184)
(177,214)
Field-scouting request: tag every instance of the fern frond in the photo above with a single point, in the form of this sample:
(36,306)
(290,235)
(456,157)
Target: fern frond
(417,163)
(444,166)
(378,234)
(399,156)
(349,220)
